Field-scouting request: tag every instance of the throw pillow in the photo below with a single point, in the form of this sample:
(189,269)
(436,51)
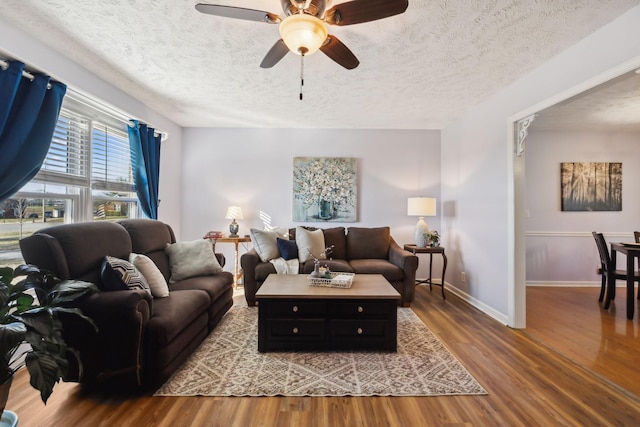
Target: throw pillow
(288,248)
(119,275)
(191,259)
(310,243)
(152,274)
(368,243)
(337,238)
(264,241)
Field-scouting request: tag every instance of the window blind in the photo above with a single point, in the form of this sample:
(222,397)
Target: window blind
(67,159)
(110,159)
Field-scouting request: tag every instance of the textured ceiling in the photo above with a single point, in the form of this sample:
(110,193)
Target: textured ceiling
(419,70)
(612,106)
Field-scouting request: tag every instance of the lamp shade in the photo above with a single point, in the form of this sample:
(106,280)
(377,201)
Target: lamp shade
(421,206)
(302,33)
(234,212)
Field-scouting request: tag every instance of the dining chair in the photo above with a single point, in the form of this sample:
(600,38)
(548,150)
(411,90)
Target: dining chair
(606,266)
(636,235)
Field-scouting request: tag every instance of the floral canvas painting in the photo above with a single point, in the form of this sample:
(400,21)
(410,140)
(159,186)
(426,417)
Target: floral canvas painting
(325,189)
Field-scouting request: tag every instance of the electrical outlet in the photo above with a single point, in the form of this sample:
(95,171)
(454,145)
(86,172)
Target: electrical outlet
(463,276)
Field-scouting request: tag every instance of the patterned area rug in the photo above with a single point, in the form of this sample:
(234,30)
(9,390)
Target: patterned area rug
(228,363)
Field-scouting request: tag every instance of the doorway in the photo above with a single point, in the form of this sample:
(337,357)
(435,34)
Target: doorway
(547,110)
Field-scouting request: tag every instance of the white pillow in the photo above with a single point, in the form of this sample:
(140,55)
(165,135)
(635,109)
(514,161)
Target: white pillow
(309,242)
(190,259)
(264,241)
(151,272)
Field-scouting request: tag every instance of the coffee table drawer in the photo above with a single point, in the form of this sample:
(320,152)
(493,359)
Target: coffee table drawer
(297,308)
(362,308)
(296,329)
(363,334)
(359,328)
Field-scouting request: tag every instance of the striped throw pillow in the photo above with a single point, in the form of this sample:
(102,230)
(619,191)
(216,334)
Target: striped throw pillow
(119,275)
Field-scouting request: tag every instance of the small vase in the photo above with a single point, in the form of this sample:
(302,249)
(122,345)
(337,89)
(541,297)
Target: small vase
(316,270)
(325,209)
(4,393)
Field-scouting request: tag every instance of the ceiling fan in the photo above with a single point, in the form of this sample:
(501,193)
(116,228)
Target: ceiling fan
(304,29)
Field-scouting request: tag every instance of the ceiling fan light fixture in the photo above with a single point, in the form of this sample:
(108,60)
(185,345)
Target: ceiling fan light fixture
(303,34)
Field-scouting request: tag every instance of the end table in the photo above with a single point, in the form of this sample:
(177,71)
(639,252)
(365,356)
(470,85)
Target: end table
(430,250)
(235,241)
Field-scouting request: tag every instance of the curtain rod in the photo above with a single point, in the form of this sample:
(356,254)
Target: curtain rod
(92,102)
(87,100)
(4,65)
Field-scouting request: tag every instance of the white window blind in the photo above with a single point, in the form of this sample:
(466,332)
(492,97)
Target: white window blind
(67,159)
(110,159)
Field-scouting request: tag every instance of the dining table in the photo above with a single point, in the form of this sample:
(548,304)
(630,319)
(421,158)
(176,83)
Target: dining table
(632,251)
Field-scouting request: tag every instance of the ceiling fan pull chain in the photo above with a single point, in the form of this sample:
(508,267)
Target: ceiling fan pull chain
(301,74)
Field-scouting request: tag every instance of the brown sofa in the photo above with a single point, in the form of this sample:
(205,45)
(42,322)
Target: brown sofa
(359,250)
(141,340)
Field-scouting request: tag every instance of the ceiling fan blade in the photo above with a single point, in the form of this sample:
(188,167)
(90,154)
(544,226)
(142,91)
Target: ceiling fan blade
(238,13)
(358,11)
(275,54)
(340,53)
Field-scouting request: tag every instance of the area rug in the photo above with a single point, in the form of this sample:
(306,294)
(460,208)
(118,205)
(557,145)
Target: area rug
(228,363)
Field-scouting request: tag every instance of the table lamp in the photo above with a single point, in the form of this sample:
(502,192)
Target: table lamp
(233,213)
(421,207)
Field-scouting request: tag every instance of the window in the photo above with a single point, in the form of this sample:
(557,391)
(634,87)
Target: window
(110,159)
(87,175)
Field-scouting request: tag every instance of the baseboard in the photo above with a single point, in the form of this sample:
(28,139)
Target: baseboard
(488,310)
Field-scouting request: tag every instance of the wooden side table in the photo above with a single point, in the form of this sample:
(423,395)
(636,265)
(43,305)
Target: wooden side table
(235,241)
(429,250)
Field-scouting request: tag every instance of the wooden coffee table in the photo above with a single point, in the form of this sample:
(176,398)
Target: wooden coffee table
(292,315)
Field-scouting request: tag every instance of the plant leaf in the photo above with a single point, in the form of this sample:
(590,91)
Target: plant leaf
(38,319)
(6,275)
(75,311)
(71,290)
(11,335)
(44,372)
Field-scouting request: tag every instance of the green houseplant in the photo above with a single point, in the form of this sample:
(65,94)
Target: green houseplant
(433,238)
(31,300)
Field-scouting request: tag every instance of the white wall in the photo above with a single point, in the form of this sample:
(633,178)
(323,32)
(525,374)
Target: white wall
(16,44)
(477,165)
(560,247)
(253,168)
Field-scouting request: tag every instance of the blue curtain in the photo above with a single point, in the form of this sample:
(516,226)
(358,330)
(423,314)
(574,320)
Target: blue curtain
(145,158)
(28,116)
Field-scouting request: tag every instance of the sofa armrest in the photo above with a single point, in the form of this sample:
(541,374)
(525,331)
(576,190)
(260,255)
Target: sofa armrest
(249,261)
(112,355)
(408,262)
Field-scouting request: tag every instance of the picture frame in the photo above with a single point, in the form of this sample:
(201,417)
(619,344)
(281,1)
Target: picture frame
(591,186)
(325,189)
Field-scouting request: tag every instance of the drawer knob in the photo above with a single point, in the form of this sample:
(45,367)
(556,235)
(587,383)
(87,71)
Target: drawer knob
(295,308)
(360,309)
(295,330)
(359,331)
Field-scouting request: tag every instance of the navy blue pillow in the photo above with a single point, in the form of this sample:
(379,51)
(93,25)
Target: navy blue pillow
(288,248)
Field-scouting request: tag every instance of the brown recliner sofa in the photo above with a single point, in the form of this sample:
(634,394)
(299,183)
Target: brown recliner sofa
(360,250)
(141,340)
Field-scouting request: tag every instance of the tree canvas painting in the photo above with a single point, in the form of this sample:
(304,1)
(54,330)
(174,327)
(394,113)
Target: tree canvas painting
(324,189)
(591,186)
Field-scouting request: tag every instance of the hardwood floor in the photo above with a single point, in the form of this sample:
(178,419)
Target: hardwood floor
(572,321)
(528,384)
